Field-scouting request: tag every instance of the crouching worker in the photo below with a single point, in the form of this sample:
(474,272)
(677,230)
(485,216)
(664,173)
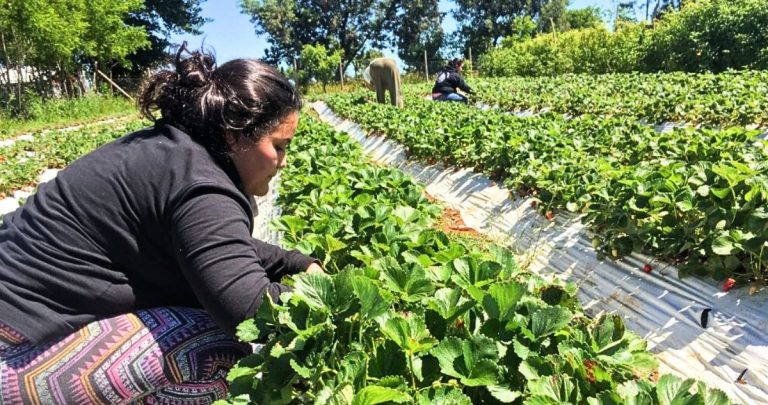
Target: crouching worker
(449,81)
(383,75)
(124,278)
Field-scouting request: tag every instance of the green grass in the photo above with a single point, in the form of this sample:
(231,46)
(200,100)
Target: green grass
(54,114)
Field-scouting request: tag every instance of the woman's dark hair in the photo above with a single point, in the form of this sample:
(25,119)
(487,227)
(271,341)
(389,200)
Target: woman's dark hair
(243,97)
(455,63)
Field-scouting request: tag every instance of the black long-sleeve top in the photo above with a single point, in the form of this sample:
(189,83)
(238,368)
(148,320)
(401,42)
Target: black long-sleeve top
(448,80)
(151,219)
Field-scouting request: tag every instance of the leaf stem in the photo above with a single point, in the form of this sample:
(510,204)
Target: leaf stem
(413,375)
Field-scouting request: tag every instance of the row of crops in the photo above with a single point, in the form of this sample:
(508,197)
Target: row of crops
(22,162)
(693,197)
(726,99)
(408,314)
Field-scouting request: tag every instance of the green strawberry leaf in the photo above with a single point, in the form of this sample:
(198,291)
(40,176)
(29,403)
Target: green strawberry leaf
(373,394)
(372,304)
(410,333)
(473,361)
(547,321)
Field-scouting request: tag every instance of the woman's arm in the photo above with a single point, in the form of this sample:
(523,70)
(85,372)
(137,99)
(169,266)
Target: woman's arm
(463,85)
(229,272)
(278,262)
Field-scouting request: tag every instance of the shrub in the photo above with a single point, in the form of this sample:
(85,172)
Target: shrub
(710,35)
(589,50)
(704,36)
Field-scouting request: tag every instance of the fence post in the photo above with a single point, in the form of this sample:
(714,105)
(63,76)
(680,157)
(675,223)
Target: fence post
(341,74)
(114,85)
(426,65)
(471,62)
(296,72)
(95,68)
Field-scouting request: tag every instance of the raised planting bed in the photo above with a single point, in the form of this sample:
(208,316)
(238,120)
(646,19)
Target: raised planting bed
(694,328)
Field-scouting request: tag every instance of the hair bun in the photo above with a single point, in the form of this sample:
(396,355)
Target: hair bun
(195,70)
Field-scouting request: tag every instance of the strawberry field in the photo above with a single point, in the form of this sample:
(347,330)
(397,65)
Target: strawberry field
(691,197)
(590,228)
(734,98)
(409,314)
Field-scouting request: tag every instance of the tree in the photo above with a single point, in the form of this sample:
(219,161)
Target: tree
(318,64)
(523,29)
(554,17)
(160,19)
(277,19)
(482,23)
(59,37)
(108,39)
(625,11)
(417,28)
(556,12)
(662,7)
(348,25)
(42,33)
(710,35)
(588,17)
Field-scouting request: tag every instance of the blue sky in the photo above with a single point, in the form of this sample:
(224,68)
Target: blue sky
(232,35)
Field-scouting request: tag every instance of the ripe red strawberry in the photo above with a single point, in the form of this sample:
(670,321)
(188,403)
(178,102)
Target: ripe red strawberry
(550,216)
(647,268)
(730,283)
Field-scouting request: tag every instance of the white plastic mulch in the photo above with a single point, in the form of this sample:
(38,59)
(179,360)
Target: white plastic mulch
(659,306)
(661,128)
(267,211)
(9,204)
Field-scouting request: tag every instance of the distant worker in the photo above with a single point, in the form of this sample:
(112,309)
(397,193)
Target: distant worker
(448,81)
(383,75)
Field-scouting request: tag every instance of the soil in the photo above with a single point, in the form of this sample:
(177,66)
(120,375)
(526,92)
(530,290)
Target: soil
(450,222)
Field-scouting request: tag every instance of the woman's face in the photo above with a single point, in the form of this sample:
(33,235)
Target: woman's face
(258,163)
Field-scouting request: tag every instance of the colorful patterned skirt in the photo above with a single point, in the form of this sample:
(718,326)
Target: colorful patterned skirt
(158,356)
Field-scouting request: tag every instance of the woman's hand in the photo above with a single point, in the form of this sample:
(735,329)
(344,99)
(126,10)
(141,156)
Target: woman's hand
(315,268)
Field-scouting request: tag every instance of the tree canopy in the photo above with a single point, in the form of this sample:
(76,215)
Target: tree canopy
(482,23)
(348,25)
(61,34)
(160,19)
(416,28)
